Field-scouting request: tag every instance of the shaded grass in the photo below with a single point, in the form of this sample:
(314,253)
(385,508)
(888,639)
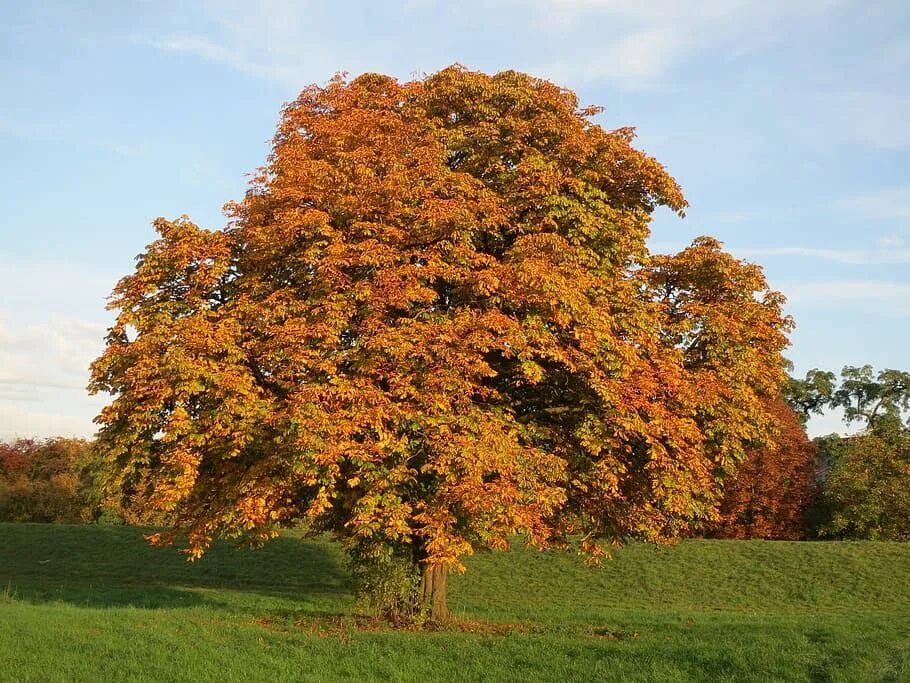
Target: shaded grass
(91,603)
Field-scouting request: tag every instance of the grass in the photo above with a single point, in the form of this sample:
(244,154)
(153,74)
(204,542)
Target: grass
(95,603)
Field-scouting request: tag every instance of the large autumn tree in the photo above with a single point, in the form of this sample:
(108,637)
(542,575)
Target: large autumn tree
(432,324)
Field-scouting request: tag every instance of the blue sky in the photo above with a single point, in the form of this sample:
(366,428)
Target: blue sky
(786,122)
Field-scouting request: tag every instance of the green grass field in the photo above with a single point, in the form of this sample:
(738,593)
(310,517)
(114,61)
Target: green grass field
(95,603)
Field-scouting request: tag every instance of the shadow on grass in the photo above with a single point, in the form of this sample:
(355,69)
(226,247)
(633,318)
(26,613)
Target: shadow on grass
(111,566)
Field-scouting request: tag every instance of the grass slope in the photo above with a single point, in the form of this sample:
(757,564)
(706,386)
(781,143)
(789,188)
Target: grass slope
(95,603)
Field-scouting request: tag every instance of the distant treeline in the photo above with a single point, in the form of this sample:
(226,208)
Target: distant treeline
(854,487)
(53,480)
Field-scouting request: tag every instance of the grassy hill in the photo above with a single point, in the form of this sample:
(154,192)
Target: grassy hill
(95,603)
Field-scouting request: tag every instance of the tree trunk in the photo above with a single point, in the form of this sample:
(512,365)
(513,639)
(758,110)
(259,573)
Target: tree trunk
(433,593)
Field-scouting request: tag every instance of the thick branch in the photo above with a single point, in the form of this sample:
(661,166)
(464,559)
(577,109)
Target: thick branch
(265,382)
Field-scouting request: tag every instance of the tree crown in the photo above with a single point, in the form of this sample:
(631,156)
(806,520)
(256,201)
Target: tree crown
(433,322)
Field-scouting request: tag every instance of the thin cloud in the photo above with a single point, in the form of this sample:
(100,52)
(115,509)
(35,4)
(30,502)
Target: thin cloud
(643,41)
(890,253)
(273,40)
(26,385)
(673,11)
(637,43)
(210,51)
(879,119)
(892,241)
(16,422)
(71,133)
(849,256)
(889,203)
(634,61)
(54,354)
(883,296)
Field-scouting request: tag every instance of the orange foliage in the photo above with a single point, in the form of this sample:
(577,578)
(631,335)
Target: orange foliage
(15,456)
(770,490)
(433,323)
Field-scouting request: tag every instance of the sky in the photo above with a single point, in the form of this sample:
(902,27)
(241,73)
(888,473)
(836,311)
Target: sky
(787,124)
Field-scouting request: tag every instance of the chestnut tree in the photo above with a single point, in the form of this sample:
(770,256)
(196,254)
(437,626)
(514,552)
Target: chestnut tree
(433,323)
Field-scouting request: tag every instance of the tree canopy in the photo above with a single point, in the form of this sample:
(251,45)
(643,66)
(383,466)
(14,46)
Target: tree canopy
(876,399)
(768,494)
(53,480)
(866,476)
(867,487)
(433,323)
(810,396)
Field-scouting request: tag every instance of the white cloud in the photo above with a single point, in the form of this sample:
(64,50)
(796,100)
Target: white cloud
(831,422)
(44,355)
(631,43)
(888,203)
(645,10)
(879,119)
(52,325)
(18,422)
(634,61)
(642,41)
(880,296)
(684,13)
(849,256)
(52,355)
(892,241)
(43,375)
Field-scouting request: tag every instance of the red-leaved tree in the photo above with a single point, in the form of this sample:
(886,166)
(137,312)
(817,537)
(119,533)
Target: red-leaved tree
(769,492)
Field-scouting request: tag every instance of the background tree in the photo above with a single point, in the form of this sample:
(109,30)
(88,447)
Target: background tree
(721,316)
(810,396)
(54,480)
(431,324)
(875,399)
(867,488)
(769,492)
(866,476)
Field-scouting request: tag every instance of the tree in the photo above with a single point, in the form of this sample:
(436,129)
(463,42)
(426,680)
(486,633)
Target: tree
(53,480)
(810,396)
(727,324)
(433,323)
(877,400)
(769,492)
(866,476)
(867,491)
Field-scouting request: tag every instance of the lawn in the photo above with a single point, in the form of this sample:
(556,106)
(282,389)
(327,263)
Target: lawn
(95,603)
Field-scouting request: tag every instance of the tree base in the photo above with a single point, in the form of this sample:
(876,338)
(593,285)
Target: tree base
(433,594)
